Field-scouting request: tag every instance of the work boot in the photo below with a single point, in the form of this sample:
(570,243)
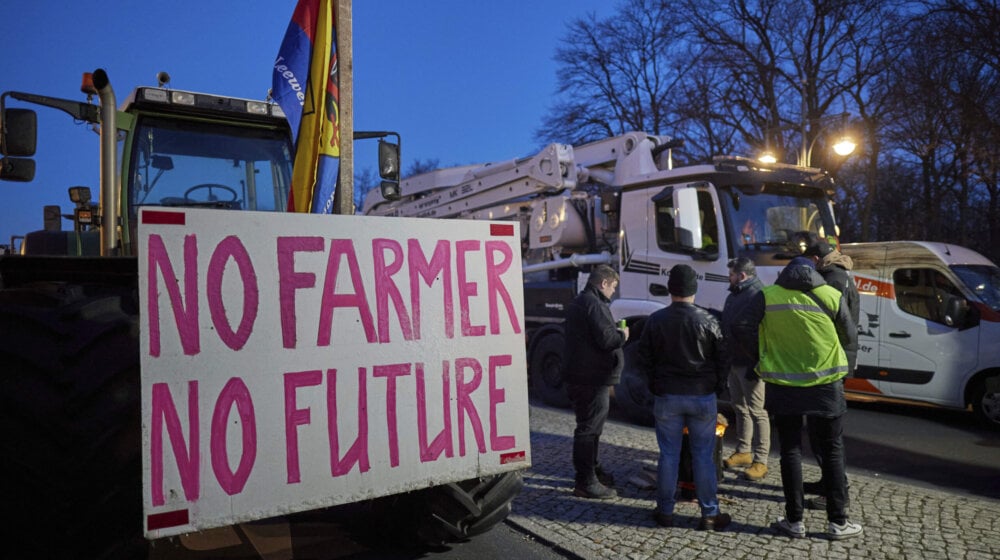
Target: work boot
(738,460)
(594,491)
(756,471)
(715,522)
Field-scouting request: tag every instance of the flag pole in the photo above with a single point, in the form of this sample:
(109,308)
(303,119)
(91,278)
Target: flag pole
(344,199)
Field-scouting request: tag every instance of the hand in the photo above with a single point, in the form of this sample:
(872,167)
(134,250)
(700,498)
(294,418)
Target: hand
(625,331)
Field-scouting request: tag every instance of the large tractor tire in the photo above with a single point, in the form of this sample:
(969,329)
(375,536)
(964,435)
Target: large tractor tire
(449,513)
(69,410)
(547,370)
(632,394)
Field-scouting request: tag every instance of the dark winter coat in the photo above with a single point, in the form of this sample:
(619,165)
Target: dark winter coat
(680,351)
(825,400)
(835,270)
(593,353)
(739,296)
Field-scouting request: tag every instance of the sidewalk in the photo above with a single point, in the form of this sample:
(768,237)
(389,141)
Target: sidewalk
(900,521)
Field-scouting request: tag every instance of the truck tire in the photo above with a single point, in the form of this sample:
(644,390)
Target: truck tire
(69,407)
(547,370)
(632,394)
(450,513)
(985,397)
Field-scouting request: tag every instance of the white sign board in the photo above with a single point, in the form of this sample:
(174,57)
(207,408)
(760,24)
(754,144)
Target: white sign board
(296,361)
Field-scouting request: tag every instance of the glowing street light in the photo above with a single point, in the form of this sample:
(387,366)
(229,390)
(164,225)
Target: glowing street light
(844,147)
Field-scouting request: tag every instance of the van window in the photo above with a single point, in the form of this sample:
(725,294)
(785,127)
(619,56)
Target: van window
(923,292)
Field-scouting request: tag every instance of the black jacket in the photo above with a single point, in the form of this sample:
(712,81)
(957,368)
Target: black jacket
(838,277)
(819,400)
(593,353)
(739,296)
(680,351)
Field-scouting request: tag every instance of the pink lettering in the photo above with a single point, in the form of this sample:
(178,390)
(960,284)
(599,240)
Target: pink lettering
(358,453)
(295,417)
(231,247)
(463,393)
(466,289)
(495,286)
(438,267)
(386,289)
(185,314)
(188,459)
(497,442)
(331,300)
(442,442)
(289,280)
(234,393)
(391,372)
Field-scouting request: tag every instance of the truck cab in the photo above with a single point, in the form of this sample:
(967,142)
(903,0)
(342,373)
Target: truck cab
(930,321)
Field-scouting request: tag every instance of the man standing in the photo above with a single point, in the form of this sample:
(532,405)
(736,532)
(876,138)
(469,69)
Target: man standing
(593,363)
(680,353)
(746,390)
(835,268)
(801,326)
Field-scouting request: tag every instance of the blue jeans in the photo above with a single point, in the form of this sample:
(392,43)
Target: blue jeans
(698,413)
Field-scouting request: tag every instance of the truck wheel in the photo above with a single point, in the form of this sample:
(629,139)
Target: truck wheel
(985,399)
(547,370)
(69,407)
(632,394)
(451,513)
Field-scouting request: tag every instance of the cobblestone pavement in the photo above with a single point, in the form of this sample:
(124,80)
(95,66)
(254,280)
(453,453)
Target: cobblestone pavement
(900,521)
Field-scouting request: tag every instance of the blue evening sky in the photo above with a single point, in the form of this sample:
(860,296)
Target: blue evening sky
(463,81)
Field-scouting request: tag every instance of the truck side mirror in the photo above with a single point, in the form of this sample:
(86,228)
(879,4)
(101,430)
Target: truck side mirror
(17,169)
(18,132)
(388,169)
(687,221)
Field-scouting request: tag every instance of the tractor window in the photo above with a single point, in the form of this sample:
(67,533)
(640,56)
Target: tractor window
(197,164)
(923,292)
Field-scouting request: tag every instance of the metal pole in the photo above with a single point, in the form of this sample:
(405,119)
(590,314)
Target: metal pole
(804,160)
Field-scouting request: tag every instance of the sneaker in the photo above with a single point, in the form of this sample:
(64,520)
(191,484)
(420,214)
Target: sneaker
(756,471)
(793,529)
(715,522)
(846,530)
(604,477)
(594,491)
(663,519)
(738,460)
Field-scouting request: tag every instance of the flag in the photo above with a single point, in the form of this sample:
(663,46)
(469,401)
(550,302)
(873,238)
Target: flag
(305,84)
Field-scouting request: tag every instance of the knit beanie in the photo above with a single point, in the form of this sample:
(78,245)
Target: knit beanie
(683,281)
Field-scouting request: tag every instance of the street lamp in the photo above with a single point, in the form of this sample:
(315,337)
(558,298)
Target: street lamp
(844,147)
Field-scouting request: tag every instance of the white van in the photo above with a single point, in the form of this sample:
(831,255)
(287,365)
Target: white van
(930,325)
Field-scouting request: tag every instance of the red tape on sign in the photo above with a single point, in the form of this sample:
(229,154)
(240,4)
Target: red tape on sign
(167,519)
(168,218)
(502,230)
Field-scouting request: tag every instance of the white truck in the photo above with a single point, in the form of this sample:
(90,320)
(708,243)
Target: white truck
(621,201)
(189,356)
(930,325)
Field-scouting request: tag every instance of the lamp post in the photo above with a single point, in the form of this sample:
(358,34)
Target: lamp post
(844,147)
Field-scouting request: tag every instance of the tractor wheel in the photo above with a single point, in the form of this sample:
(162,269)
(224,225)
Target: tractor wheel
(632,394)
(547,370)
(69,407)
(449,513)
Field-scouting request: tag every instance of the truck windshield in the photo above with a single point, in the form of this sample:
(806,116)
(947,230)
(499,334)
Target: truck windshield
(198,164)
(776,218)
(983,280)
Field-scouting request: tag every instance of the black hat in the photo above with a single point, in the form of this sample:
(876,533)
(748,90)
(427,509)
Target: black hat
(802,261)
(683,281)
(819,249)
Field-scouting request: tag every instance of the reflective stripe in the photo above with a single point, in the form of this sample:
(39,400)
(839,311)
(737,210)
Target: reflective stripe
(793,307)
(804,375)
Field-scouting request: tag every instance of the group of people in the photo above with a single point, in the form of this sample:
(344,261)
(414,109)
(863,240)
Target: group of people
(783,352)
